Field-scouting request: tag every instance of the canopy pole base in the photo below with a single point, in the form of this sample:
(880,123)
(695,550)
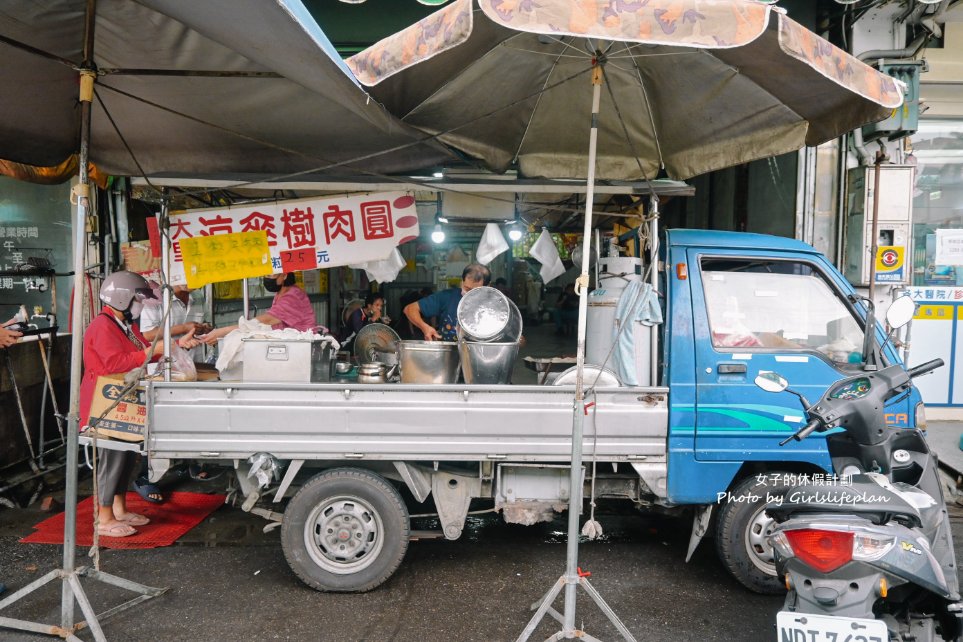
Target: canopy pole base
(71,579)
(544,608)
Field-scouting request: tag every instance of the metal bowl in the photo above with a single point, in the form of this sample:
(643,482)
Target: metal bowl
(428,361)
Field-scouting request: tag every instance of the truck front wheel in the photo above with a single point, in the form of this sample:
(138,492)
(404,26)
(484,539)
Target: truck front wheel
(743,529)
(345,530)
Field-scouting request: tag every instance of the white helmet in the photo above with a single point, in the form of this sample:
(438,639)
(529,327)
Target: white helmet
(120,289)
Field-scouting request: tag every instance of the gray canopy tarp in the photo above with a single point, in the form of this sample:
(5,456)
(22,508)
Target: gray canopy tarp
(261,68)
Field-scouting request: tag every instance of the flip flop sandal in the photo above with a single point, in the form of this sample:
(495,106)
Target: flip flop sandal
(145,489)
(116,530)
(133,519)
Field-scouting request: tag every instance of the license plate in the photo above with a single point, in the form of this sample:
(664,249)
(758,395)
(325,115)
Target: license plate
(806,627)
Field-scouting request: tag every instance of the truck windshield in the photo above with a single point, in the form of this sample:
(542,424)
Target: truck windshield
(780,305)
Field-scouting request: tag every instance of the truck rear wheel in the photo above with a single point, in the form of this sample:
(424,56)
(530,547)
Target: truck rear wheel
(345,530)
(742,533)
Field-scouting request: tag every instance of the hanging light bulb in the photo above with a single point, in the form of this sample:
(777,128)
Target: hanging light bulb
(514,233)
(438,234)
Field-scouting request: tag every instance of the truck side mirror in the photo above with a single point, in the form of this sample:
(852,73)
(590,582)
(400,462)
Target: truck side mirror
(771,381)
(900,312)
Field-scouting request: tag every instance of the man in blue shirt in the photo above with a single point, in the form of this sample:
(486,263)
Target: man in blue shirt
(444,305)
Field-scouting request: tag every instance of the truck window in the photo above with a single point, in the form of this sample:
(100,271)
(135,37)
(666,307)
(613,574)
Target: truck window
(782,305)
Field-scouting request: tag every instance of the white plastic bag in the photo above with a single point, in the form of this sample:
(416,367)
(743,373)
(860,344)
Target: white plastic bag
(182,365)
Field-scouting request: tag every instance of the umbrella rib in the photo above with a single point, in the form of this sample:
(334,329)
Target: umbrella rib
(538,101)
(625,132)
(189,73)
(648,108)
(547,53)
(38,52)
(582,54)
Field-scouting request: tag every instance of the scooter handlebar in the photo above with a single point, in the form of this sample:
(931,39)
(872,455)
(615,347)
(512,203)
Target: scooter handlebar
(923,368)
(802,433)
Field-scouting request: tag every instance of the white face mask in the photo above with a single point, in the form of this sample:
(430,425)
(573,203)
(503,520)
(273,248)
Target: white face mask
(136,308)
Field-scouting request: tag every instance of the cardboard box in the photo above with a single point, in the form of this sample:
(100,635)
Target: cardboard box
(126,420)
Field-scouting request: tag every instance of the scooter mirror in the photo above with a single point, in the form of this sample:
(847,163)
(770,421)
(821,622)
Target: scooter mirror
(771,381)
(900,312)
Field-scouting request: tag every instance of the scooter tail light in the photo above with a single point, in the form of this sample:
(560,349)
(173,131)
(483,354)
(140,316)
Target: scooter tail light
(868,548)
(823,550)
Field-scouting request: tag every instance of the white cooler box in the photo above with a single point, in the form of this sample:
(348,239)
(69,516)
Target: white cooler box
(287,360)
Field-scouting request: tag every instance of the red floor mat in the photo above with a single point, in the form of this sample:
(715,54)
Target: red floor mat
(179,513)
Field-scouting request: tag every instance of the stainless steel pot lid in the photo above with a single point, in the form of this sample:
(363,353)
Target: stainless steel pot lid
(592,377)
(483,313)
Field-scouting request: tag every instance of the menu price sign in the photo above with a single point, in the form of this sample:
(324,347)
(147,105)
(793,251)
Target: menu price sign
(305,234)
(298,260)
(225,257)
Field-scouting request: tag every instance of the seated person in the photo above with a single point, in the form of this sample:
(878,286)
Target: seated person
(366,314)
(291,308)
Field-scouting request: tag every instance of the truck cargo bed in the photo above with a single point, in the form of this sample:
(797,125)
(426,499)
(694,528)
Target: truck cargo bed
(223,420)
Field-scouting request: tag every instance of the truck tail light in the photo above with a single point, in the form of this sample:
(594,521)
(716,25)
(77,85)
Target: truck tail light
(826,550)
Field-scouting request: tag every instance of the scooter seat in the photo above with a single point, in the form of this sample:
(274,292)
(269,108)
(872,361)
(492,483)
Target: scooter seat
(863,497)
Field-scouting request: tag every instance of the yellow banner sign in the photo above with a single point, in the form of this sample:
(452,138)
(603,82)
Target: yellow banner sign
(225,257)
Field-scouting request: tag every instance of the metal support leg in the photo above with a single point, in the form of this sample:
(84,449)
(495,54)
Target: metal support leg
(72,583)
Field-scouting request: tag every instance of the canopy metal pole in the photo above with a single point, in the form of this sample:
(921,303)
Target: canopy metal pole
(165,283)
(572,579)
(654,281)
(72,592)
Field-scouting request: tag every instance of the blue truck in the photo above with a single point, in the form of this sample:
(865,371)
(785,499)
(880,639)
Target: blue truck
(701,440)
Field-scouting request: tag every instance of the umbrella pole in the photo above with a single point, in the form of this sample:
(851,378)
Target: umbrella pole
(573,577)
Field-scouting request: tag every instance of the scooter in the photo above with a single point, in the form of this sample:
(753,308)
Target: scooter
(866,552)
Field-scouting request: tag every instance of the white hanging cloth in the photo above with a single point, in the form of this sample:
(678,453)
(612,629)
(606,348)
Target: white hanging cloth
(492,244)
(545,252)
(384,271)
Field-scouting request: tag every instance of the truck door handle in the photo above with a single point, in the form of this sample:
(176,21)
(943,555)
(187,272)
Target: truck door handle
(731,368)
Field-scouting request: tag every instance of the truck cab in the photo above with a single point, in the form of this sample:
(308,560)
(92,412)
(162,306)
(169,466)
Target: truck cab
(739,304)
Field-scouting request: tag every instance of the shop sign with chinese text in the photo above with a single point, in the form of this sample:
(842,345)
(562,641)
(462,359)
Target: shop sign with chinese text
(308,233)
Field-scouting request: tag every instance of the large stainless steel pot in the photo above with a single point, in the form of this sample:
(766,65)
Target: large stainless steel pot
(488,363)
(428,361)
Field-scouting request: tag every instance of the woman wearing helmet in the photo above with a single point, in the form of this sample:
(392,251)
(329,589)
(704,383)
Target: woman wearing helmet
(113,344)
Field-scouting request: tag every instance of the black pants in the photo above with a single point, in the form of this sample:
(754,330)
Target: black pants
(114,468)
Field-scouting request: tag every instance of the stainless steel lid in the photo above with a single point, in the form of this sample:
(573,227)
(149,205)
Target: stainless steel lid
(483,313)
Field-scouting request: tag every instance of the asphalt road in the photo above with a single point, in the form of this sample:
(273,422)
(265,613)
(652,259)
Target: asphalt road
(229,581)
